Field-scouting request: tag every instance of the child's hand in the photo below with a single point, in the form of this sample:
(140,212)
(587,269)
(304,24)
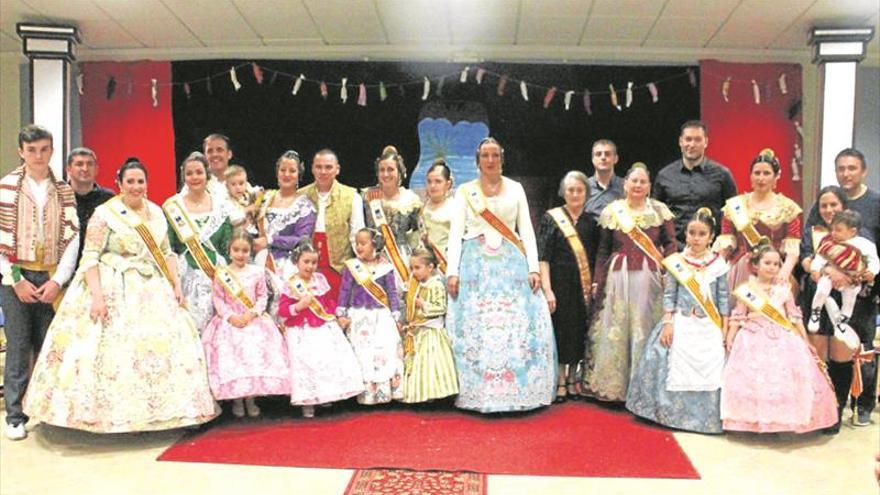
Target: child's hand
(238,321)
(867,277)
(420,303)
(344,322)
(303,303)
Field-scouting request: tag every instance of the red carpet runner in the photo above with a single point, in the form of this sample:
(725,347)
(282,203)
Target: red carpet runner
(571,439)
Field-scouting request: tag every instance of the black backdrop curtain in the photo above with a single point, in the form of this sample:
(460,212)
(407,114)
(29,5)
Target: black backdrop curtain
(264,120)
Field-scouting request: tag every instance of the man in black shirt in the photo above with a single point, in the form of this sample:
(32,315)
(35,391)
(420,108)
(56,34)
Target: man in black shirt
(82,166)
(604,185)
(693,181)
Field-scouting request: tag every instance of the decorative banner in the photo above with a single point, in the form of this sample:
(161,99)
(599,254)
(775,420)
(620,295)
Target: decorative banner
(343,92)
(323,88)
(258,72)
(629,94)
(655,95)
(725,89)
(614,102)
(426,89)
(783,87)
(502,85)
(524,90)
(568,95)
(756,92)
(154,91)
(464,73)
(297,84)
(588,106)
(234,78)
(549,96)
(480,73)
(382,92)
(362,95)
(111,88)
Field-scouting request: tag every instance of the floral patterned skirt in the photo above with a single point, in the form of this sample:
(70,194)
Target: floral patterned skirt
(502,336)
(323,367)
(142,369)
(379,350)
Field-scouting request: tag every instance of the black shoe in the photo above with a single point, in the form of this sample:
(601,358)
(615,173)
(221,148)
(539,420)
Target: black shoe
(862,417)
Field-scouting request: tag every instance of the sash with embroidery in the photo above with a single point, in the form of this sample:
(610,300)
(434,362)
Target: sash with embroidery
(738,212)
(188,233)
(409,345)
(233,286)
(364,278)
(374,199)
(299,289)
(477,202)
(438,253)
(574,242)
(678,267)
(758,302)
(628,226)
(133,220)
(261,227)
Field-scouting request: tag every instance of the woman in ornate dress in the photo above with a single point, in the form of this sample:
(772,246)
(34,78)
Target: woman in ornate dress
(437,211)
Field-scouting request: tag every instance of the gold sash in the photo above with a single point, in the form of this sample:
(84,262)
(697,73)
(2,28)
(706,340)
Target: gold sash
(628,226)
(438,253)
(189,234)
(473,194)
(758,302)
(737,210)
(267,199)
(574,241)
(299,288)
(678,267)
(233,286)
(133,220)
(364,278)
(378,214)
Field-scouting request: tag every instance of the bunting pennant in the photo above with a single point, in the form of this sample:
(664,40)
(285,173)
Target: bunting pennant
(548,98)
(655,95)
(629,94)
(297,83)
(692,78)
(111,88)
(725,89)
(756,92)
(258,72)
(362,95)
(426,90)
(323,89)
(588,106)
(343,91)
(234,78)
(464,73)
(79,84)
(614,102)
(186,90)
(382,92)
(274,77)
(440,84)
(568,95)
(502,85)
(154,92)
(208,86)
(524,90)
(480,73)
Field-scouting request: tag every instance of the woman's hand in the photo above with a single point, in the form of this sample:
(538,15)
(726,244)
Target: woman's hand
(838,278)
(666,335)
(731,337)
(535,281)
(452,286)
(98,310)
(178,295)
(420,303)
(551,299)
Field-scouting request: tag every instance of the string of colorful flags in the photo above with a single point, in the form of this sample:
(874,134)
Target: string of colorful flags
(620,97)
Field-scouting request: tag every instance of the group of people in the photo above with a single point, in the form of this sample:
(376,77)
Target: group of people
(677,297)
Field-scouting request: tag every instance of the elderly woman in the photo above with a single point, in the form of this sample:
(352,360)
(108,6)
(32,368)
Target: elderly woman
(200,226)
(637,233)
(567,247)
(759,213)
(499,323)
(122,354)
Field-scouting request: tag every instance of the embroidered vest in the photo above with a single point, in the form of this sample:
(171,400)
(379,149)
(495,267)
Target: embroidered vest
(337,218)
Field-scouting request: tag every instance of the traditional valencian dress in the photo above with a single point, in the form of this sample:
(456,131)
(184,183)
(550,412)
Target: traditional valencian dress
(283,228)
(502,335)
(201,242)
(323,366)
(772,381)
(435,224)
(143,367)
(628,273)
(398,220)
(249,361)
(430,368)
(368,296)
(680,387)
(743,226)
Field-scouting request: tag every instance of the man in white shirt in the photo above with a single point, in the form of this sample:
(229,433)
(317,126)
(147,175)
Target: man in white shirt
(39,239)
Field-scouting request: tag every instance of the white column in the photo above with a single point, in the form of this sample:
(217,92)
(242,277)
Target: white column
(50,50)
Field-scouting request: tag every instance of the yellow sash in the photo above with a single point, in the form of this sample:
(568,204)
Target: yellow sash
(299,288)
(678,267)
(438,253)
(412,293)
(758,302)
(189,234)
(133,220)
(378,215)
(473,194)
(737,210)
(233,286)
(628,226)
(364,278)
(574,241)
(266,199)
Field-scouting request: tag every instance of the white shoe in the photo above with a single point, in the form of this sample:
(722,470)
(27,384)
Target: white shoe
(252,409)
(238,408)
(16,432)
(308,411)
(846,334)
(813,321)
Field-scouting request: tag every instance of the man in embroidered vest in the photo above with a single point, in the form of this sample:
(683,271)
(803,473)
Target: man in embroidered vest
(340,216)
(604,185)
(693,181)
(82,166)
(38,244)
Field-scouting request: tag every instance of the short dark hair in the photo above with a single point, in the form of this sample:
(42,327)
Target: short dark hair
(33,132)
(326,151)
(219,136)
(850,218)
(82,151)
(606,142)
(694,124)
(853,153)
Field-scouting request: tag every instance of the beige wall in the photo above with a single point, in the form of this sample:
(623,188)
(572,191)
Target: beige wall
(11,64)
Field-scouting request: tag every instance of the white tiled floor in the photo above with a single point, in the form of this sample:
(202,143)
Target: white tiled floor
(58,461)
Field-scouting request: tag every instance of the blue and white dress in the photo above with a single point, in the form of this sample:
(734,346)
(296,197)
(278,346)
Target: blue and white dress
(680,387)
(501,332)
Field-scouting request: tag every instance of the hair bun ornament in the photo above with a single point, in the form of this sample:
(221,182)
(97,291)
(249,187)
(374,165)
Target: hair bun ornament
(762,244)
(131,159)
(767,152)
(638,165)
(389,150)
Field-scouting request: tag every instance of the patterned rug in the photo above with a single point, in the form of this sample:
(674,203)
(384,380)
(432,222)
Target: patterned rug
(406,482)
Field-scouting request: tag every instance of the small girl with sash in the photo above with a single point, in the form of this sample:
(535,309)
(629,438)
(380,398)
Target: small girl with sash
(323,367)
(677,383)
(369,311)
(429,365)
(244,350)
(773,381)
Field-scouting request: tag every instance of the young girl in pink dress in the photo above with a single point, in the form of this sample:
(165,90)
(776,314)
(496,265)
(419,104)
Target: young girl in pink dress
(773,381)
(323,367)
(243,347)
